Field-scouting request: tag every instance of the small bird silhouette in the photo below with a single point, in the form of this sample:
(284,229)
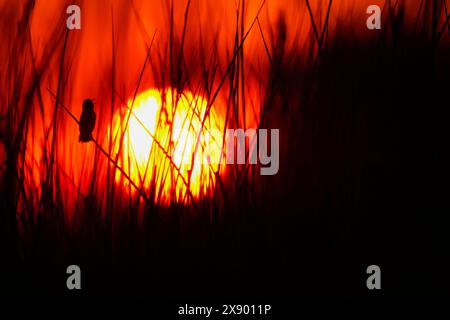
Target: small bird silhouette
(87,121)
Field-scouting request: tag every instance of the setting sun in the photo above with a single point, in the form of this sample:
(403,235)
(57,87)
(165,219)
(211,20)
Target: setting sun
(156,140)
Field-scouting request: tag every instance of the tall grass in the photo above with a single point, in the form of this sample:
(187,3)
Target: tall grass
(316,78)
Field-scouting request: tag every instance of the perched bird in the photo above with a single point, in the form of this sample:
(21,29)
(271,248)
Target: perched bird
(87,121)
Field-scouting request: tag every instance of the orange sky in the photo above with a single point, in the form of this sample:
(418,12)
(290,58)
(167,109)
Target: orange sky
(89,54)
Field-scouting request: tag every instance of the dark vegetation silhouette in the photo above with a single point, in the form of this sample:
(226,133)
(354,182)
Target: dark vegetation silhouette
(348,193)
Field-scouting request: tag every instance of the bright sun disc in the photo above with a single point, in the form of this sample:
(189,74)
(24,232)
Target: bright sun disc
(158,148)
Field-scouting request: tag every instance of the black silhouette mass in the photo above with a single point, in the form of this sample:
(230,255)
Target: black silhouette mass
(87,121)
